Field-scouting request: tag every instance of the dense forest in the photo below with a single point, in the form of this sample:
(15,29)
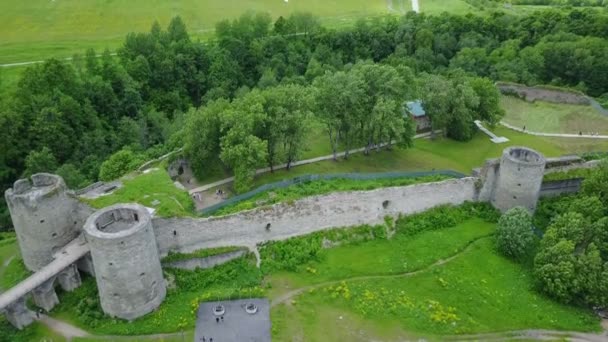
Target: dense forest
(245,98)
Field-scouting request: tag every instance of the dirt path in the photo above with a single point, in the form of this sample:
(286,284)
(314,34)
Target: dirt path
(558,135)
(70,331)
(65,329)
(532,334)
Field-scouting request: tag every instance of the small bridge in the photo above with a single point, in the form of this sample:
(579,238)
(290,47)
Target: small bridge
(41,284)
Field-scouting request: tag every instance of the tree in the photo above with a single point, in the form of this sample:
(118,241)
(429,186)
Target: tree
(40,161)
(119,164)
(72,176)
(597,183)
(202,134)
(381,115)
(489,109)
(514,236)
(288,110)
(339,99)
(572,261)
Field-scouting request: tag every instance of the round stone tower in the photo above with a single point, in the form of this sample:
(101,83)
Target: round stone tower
(520,177)
(126,260)
(45,215)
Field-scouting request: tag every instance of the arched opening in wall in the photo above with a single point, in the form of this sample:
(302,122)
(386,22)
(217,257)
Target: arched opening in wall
(135,217)
(180,170)
(385,204)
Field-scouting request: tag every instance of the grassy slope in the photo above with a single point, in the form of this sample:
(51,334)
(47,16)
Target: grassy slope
(553,118)
(14,271)
(476,292)
(439,154)
(147,188)
(400,254)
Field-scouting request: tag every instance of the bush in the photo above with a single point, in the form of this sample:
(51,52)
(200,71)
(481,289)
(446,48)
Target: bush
(444,217)
(119,164)
(514,236)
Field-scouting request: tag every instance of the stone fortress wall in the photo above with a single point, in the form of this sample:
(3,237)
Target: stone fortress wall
(285,220)
(126,244)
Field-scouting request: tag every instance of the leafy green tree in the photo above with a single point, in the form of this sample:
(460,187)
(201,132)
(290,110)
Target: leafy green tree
(489,109)
(243,153)
(119,164)
(288,111)
(572,260)
(202,134)
(339,98)
(40,161)
(72,176)
(381,116)
(514,236)
(597,183)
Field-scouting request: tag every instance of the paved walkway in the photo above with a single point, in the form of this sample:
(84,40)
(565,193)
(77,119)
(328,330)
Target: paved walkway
(556,135)
(64,258)
(495,139)
(284,166)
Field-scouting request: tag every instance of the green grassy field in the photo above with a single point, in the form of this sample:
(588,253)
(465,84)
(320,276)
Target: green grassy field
(549,117)
(440,154)
(478,291)
(147,188)
(41,29)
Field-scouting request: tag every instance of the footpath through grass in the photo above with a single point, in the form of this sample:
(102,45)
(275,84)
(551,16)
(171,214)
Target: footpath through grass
(478,291)
(549,117)
(439,274)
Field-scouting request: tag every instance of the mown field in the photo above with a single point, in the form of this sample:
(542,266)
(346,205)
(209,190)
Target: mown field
(549,117)
(40,29)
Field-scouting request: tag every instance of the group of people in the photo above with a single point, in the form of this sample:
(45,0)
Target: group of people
(217,320)
(219,192)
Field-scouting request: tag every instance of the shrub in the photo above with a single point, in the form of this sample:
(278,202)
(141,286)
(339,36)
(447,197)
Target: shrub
(444,217)
(119,164)
(514,236)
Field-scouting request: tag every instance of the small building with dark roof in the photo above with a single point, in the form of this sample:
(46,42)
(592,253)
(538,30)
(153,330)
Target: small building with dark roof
(416,111)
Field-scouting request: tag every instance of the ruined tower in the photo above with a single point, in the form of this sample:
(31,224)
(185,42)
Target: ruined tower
(46,217)
(126,260)
(519,179)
